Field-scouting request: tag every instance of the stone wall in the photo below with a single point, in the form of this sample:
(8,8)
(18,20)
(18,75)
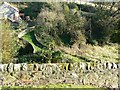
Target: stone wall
(101,74)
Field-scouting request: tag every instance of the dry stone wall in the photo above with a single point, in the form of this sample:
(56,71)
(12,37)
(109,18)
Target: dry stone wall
(101,75)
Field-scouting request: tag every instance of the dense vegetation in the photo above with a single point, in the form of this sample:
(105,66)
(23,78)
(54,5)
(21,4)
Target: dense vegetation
(64,32)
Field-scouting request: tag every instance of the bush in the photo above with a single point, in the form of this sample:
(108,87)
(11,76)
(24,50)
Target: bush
(43,56)
(9,43)
(115,37)
(62,22)
(103,23)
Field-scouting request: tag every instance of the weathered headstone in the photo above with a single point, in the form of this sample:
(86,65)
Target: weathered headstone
(16,67)
(1,67)
(10,67)
(24,66)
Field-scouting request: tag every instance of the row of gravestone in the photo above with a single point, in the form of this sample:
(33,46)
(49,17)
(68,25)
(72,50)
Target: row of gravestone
(58,66)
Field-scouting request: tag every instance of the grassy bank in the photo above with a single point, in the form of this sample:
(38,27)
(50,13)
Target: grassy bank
(57,86)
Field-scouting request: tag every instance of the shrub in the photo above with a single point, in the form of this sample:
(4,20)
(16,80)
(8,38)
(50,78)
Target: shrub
(115,37)
(104,22)
(62,22)
(9,43)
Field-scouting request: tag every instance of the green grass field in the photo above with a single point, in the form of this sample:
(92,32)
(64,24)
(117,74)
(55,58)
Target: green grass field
(54,87)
